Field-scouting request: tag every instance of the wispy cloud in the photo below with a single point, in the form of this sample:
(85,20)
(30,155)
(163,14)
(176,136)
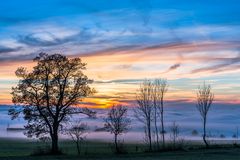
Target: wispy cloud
(224,65)
(173,67)
(44,39)
(5,49)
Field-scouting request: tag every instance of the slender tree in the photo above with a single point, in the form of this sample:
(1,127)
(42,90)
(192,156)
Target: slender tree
(161,87)
(117,123)
(77,132)
(144,111)
(156,107)
(174,133)
(47,95)
(204,101)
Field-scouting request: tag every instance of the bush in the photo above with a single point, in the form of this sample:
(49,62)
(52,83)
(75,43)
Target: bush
(234,136)
(222,136)
(194,132)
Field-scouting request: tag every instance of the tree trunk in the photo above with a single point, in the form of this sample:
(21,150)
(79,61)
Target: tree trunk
(149,136)
(162,125)
(116,143)
(78,148)
(54,136)
(174,141)
(156,128)
(204,133)
(55,143)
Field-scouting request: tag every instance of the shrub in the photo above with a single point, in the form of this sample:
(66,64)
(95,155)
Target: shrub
(222,136)
(234,136)
(194,132)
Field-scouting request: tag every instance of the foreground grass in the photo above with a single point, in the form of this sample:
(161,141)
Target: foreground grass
(23,149)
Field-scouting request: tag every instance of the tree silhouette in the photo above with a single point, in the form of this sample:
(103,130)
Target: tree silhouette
(161,87)
(174,133)
(144,112)
(204,101)
(117,122)
(77,132)
(47,95)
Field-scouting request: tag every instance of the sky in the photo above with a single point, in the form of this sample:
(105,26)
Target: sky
(126,41)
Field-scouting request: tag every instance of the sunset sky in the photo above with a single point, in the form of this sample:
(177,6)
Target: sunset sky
(187,42)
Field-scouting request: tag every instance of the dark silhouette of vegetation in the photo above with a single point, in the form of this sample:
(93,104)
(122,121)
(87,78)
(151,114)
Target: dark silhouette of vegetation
(204,101)
(77,132)
(117,123)
(156,107)
(144,110)
(222,136)
(160,89)
(174,133)
(150,99)
(46,96)
(194,132)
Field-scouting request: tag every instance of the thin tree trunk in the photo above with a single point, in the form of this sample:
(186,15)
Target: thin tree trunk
(149,136)
(116,143)
(156,128)
(174,142)
(78,148)
(162,124)
(204,133)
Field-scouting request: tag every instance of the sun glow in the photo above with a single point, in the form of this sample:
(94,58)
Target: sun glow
(100,103)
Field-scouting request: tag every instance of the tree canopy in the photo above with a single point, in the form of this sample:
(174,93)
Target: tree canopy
(46,96)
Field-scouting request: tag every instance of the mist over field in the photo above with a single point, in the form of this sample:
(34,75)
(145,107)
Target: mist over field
(223,120)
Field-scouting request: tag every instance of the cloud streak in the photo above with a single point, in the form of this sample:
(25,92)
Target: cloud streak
(45,39)
(5,50)
(173,67)
(225,64)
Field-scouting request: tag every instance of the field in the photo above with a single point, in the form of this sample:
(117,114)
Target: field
(24,149)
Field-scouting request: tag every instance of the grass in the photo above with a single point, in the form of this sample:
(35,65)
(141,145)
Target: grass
(23,149)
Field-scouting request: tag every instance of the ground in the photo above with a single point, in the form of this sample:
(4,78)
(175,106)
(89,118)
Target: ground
(23,149)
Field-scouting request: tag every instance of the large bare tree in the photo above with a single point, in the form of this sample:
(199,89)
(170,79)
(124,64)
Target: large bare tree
(204,101)
(144,111)
(117,123)
(47,95)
